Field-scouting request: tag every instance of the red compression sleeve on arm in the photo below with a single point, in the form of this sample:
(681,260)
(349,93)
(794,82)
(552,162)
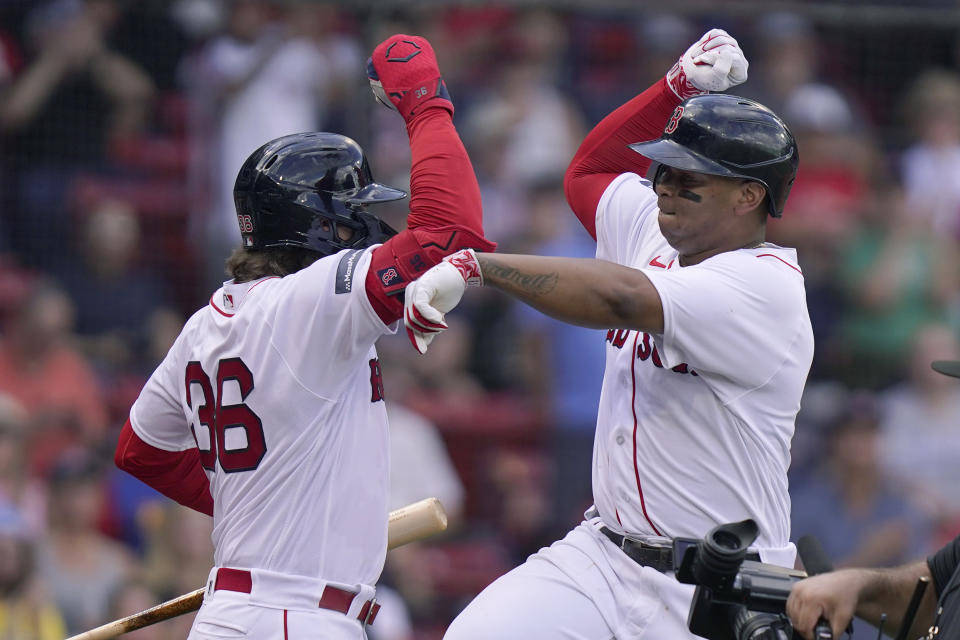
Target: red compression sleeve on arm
(443,187)
(176,474)
(445,213)
(603,154)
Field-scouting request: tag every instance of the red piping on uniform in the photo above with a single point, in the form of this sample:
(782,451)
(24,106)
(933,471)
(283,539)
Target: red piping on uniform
(284,624)
(633,406)
(770,255)
(218,309)
(230,315)
(261,282)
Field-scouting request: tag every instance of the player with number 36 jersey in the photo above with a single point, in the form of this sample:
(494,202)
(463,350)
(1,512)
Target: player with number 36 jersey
(268,411)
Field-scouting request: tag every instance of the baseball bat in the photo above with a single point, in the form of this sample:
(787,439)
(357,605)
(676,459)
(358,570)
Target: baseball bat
(412,522)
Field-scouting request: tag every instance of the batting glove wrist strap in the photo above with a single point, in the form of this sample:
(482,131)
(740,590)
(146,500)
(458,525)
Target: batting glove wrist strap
(713,63)
(465,261)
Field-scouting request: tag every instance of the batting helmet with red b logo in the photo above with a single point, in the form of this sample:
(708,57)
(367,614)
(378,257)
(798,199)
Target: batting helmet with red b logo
(299,189)
(726,135)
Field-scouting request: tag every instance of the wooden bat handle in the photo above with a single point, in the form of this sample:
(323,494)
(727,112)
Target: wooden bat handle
(412,522)
(170,609)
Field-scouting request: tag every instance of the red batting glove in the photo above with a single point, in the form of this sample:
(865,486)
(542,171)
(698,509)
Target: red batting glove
(404,75)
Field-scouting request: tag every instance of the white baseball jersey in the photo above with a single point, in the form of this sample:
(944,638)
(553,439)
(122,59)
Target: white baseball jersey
(694,425)
(297,456)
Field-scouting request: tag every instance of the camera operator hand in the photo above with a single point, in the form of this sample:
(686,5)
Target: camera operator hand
(832,596)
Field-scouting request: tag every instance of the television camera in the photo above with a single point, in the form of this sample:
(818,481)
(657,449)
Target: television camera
(736,598)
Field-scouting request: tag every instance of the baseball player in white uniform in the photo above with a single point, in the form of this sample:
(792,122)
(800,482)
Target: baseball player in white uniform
(709,345)
(268,411)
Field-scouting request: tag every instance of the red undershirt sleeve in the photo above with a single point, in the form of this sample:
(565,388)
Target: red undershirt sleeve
(176,474)
(603,154)
(445,213)
(443,186)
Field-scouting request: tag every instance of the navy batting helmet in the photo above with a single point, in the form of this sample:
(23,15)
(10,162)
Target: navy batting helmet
(726,135)
(298,190)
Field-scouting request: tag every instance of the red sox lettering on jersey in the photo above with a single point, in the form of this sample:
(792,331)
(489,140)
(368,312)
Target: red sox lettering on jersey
(645,349)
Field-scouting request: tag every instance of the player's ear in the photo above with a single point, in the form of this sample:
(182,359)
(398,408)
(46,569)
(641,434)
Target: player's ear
(751,195)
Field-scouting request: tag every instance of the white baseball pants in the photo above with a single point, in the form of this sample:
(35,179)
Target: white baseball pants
(582,587)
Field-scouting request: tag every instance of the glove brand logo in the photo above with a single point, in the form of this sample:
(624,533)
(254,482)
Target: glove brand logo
(656,263)
(467,266)
(674,120)
(399,57)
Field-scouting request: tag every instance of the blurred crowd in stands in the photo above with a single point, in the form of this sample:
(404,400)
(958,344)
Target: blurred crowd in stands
(122,126)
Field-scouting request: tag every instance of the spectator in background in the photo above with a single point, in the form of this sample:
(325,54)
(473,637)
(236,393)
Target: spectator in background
(177,554)
(562,364)
(662,37)
(838,159)
(787,58)
(849,503)
(82,567)
(26,610)
(60,113)
(520,481)
(920,440)
(18,486)
(116,298)
(612,53)
(536,128)
(931,164)
(419,464)
(896,275)
(9,63)
(42,371)
(446,377)
(826,201)
(274,72)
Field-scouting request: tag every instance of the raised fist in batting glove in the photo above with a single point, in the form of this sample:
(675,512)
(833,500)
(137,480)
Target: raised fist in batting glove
(435,293)
(404,76)
(714,63)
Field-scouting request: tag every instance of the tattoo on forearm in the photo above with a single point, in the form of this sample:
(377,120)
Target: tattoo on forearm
(535,283)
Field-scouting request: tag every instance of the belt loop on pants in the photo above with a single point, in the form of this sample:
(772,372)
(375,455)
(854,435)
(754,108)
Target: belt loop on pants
(332,598)
(336,599)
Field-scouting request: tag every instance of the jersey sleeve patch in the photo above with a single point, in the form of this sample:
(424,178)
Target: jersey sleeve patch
(348,263)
